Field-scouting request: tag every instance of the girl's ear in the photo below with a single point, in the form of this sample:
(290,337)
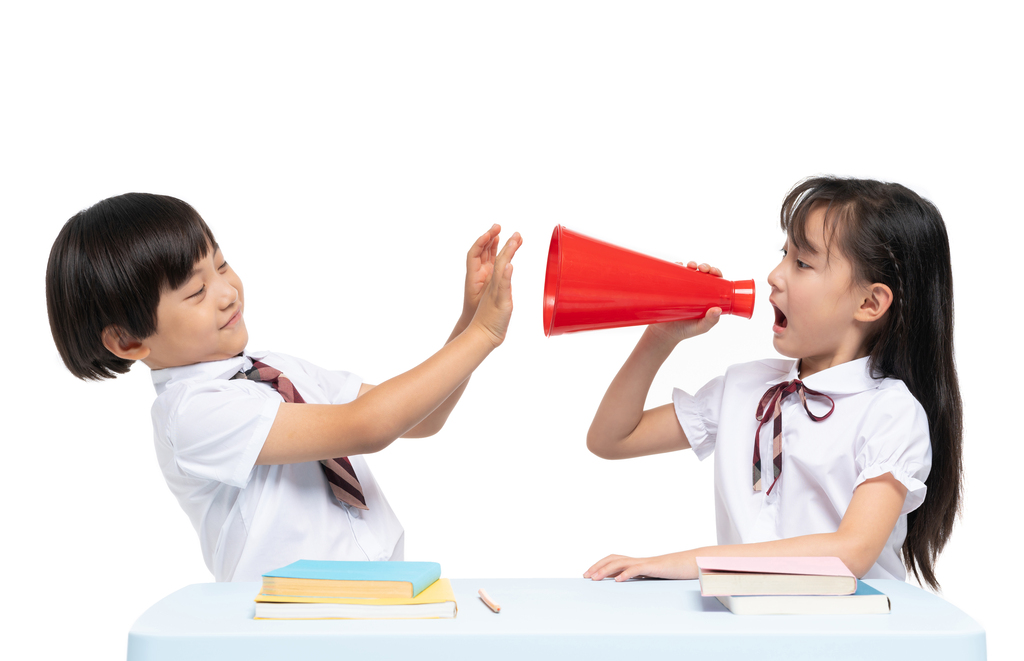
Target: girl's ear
(123,345)
(877,300)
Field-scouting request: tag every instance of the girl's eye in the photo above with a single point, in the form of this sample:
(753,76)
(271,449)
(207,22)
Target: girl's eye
(198,293)
(799,264)
(222,266)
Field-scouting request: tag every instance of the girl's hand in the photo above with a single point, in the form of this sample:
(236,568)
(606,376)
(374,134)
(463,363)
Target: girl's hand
(623,568)
(677,331)
(479,267)
(703,268)
(494,308)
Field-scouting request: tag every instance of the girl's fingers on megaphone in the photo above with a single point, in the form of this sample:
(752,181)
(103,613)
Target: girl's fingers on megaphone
(703,268)
(711,318)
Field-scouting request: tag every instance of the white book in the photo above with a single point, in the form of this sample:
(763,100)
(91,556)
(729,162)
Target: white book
(866,600)
(299,611)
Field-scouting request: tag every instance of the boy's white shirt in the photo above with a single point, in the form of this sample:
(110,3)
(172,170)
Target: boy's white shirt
(209,430)
(877,427)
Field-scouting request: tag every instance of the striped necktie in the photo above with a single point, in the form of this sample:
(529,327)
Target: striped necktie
(772,400)
(339,471)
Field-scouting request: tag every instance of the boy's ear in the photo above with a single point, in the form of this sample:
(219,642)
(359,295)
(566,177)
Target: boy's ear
(123,345)
(876,302)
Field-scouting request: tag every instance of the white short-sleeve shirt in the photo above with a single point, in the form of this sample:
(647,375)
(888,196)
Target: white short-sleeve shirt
(209,430)
(877,427)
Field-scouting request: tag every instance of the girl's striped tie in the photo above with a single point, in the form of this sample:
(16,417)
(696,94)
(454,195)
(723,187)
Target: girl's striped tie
(773,400)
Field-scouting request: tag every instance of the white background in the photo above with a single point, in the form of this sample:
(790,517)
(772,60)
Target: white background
(346,156)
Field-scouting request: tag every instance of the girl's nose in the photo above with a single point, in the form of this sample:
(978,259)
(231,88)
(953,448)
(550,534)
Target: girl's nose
(774,280)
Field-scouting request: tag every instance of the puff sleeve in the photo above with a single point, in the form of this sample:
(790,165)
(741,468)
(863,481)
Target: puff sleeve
(895,439)
(699,415)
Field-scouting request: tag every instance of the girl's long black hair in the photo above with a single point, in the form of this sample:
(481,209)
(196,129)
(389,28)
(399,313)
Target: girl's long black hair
(895,237)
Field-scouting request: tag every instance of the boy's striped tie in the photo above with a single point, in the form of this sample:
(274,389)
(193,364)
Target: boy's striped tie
(339,471)
(772,400)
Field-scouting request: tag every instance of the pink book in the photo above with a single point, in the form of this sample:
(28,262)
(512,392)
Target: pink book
(778,575)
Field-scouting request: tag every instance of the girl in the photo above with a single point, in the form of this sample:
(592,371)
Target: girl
(853,449)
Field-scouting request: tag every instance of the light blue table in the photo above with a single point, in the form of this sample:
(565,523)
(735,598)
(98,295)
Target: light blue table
(561,618)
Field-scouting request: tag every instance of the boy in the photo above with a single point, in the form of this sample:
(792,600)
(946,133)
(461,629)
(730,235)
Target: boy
(261,449)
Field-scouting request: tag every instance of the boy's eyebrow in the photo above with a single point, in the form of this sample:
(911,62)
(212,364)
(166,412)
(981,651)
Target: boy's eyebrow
(195,269)
(193,273)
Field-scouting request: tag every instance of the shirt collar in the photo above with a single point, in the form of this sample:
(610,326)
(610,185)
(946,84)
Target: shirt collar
(845,379)
(209,371)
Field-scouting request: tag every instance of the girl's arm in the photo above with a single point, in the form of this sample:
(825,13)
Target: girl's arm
(622,428)
(863,532)
(311,432)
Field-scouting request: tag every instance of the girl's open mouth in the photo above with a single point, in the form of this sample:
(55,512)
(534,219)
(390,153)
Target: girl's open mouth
(780,319)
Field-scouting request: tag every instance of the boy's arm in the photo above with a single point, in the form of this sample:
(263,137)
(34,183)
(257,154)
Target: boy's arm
(863,532)
(311,432)
(479,269)
(435,421)
(622,428)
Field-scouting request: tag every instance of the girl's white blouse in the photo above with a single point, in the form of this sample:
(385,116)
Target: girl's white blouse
(877,427)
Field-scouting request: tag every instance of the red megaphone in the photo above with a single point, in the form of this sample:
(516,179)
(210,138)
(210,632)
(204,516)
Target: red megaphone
(591,284)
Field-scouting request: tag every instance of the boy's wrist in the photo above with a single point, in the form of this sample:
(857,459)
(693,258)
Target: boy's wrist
(465,319)
(480,333)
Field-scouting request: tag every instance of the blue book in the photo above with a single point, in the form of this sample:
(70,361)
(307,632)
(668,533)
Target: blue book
(350,579)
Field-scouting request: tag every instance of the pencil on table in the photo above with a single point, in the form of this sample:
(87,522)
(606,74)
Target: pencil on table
(487,600)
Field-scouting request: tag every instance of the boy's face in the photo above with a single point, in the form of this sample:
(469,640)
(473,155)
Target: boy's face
(201,321)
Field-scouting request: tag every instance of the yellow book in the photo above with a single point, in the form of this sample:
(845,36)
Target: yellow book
(437,601)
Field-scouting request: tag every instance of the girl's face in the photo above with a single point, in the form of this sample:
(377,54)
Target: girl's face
(816,303)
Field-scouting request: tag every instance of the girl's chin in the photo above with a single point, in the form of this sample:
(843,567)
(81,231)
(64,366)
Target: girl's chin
(780,345)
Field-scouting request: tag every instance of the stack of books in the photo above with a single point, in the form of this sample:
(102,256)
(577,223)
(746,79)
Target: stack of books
(333,589)
(787,586)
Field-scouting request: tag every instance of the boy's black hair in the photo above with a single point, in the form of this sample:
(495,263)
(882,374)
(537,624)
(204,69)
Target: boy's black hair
(895,237)
(107,268)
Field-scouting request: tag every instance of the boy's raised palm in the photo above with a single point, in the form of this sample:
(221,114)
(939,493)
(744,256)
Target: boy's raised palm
(479,267)
(494,303)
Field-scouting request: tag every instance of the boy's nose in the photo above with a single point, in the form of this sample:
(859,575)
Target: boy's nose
(227,294)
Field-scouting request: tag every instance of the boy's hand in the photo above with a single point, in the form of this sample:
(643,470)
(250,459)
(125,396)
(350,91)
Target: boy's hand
(494,308)
(479,267)
(677,331)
